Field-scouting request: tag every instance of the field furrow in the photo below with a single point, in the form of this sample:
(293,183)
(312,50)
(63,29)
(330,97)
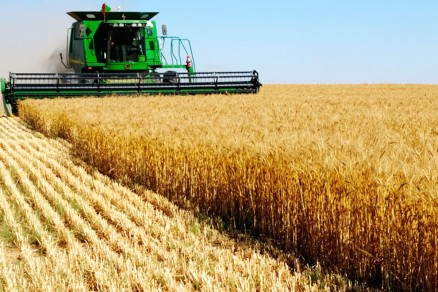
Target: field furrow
(8,282)
(40,203)
(35,243)
(88,225)
(20,242)
(120,234)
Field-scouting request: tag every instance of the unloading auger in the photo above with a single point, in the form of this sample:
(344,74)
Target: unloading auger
(121,53)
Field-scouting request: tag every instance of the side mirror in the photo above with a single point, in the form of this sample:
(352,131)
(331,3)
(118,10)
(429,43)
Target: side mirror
(164,29)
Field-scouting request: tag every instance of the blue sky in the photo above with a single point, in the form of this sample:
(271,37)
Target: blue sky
(315,41)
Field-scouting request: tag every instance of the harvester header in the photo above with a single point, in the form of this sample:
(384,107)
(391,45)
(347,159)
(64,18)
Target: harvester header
(121,53)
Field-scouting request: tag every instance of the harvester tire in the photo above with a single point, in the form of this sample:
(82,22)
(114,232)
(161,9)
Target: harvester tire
(170,77)
(155,77)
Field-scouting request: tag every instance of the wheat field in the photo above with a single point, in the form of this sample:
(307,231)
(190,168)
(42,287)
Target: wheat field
(345,176)
(65,227)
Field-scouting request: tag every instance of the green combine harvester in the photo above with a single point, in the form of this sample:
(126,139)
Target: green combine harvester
(121,53)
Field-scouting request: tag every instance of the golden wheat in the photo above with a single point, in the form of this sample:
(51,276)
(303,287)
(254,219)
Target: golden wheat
(344,175)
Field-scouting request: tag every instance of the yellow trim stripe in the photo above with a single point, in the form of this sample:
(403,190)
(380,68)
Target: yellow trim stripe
(75,61)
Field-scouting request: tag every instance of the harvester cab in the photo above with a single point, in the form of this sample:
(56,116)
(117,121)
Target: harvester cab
(121,53)
(122,42)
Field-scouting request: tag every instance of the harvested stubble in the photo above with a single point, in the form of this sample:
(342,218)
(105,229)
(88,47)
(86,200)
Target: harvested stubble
(344,175)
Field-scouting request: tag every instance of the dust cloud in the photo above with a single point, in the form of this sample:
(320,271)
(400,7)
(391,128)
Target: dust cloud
(53,62)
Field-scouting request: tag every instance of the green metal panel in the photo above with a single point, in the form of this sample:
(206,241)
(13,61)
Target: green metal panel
(2,85)
(152,45)
(89,41)
(126,66)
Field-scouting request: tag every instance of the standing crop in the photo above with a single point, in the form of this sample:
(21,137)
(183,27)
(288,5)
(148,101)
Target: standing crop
(344,175)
